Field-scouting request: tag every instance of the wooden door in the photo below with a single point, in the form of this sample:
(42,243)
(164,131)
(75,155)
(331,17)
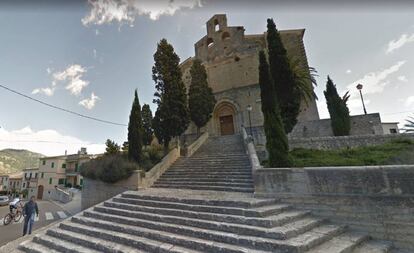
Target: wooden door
(40,192)
(226,125)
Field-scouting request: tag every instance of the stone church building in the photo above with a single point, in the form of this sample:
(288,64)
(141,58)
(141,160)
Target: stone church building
(231,61)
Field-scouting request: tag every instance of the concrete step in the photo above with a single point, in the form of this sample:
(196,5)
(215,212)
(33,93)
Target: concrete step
(128,225)
(32,247)
(61,245)
(343,243)
(211,176)
(250,212)
(118,232)
(208,188)
(282,232)
(113,244)
(205,180)
(239,202)
(374,246)
(269,221)
(212,166)
(206,173)
(166,181)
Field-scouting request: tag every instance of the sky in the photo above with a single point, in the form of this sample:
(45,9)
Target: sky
(90,56)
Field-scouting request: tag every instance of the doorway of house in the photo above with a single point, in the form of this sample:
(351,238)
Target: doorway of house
(226,125)
(40,192)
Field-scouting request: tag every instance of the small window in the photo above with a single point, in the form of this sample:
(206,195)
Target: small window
(36,175)
(50,180)
(44,162)
(216,25)
(393,131)
(76,167)
(81,181)
(61,181)
(30,175)
(24,185)
(210,42)
(42,175)
(63,165)
(53,165)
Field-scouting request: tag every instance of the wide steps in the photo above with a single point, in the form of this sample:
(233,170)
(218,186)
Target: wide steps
(223,184)
(209,188)
(205,180)
(269,221)
(108,228)
(303,241)
(282,232)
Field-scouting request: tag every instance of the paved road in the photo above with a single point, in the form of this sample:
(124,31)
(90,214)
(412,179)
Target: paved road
(49,212)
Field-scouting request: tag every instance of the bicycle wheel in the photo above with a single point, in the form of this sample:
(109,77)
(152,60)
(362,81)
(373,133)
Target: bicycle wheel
(17,216)
(7,219)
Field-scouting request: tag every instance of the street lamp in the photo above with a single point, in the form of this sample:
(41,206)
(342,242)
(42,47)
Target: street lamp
(249,109)
(359,87)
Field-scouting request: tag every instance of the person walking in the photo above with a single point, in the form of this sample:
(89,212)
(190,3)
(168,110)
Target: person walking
(30,209)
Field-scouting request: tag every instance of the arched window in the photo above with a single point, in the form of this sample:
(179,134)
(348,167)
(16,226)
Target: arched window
(225,36)
(210,42)
(216,25)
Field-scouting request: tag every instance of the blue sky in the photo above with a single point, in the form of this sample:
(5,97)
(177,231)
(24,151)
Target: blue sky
(90,56)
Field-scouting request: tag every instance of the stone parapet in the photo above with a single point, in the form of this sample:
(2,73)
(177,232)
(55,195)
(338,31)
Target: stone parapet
(374,199)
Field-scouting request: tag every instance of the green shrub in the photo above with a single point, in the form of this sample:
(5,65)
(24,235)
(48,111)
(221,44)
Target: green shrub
(108,168)
(155,154)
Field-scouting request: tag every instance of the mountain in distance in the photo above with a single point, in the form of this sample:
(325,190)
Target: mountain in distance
(15,160)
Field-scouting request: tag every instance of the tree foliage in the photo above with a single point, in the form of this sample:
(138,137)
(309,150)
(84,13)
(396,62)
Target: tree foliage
(170,96)
(112,148)
(276,140)
(289,96)
(201,100)
(305,79)
(147,124)
(338,109)
(409,125)
(135,131)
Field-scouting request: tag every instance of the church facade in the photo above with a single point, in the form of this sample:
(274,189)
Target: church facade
(231,61)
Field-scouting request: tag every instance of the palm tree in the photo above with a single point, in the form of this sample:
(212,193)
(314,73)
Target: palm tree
(305,78)
(409,126)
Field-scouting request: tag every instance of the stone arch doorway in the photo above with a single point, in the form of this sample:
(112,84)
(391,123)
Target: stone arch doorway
(40,192)
(225,117)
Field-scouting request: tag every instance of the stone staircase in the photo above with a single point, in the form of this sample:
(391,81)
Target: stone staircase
(221,164)
(184,218)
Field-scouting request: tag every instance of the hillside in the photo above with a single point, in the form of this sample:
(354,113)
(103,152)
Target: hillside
(14,160)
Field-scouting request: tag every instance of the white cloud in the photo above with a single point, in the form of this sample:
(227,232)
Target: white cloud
(409,101)
(72,76)
(402,78)
(48,91)
(348,71)
(89,103)
(125,11)
(48,142)
(400,42)
(374,82)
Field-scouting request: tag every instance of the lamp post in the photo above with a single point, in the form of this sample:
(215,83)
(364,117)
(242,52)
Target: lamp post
(249,109)
(359,87)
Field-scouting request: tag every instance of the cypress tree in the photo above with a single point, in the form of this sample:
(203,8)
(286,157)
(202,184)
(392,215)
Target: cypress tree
(283,77)
(170,95)
(276,140)
(338,110)
(147,124)
(135,131)
(201,100)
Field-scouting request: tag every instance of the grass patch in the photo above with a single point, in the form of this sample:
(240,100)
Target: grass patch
(400,151)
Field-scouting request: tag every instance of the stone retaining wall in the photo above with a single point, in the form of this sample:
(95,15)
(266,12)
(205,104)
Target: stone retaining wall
(338,142)
(375,199)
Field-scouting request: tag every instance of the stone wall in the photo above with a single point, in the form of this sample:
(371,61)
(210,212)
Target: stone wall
(374,199)
(95,191)
(339,142)
(360,125)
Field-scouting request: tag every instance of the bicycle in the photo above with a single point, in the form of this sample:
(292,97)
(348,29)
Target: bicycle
(13,216)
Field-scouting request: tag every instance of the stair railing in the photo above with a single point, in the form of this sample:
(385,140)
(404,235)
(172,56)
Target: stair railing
(251,150)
